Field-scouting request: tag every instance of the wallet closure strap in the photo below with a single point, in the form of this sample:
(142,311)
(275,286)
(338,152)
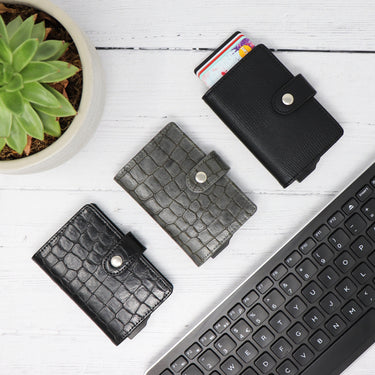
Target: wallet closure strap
(293,95)
(123,254)
(206,173)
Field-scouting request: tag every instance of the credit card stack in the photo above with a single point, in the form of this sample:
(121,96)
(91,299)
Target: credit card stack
(224,58)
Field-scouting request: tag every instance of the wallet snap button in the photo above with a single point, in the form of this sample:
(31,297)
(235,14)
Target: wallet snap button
(116,261)
(201,177)
(288,99)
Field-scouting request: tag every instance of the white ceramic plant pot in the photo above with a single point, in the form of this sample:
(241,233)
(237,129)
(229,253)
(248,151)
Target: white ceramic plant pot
(90,109)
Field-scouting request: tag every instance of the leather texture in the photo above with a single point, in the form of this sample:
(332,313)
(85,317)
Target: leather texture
(288,139)
(118,299)
(200,217)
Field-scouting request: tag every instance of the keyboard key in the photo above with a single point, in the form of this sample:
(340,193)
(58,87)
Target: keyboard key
(307,246)
(373,181)
(293,259)
(192,370)
(314,318)
(345,262)
(346,288)
(279,272)
(264,285)
(274,299)
(241,330)
(247,352)
(364,193)
(263,337)
(265,363)
(321,233)
(257,315)
(298,333)
(352,311)
(319,340)
(369,209)
(250,298)
(179,364)
(221,325)
(231,366)
(361,247)
(225,345)
(328,277)
(236,312)
(363,274)
(209,359)
(287,368)
(290,284)
(335,219)
(330,303)
(248,371)
(207,338)
(371,233)
(356,224)
(193,351)
(350,206)
(306,269)
(296,307)
(367,296)
(339,239)
(312,292)
(303,355)
(323,254)
(371,258)
(335,325)
(279,322)
(281,348)
(166,372)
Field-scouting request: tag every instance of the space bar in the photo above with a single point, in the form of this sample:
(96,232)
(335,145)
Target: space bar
(346,349)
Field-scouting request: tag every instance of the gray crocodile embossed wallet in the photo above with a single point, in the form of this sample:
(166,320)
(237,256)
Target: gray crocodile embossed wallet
(187,192)
(104,272)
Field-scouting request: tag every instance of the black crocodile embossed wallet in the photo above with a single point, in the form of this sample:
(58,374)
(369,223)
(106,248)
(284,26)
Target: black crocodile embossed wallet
(187,192)
(274,114)
(104,272)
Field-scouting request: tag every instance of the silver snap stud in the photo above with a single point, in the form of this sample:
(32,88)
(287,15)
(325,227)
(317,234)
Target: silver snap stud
(116,261)
(201,177)
(288,99)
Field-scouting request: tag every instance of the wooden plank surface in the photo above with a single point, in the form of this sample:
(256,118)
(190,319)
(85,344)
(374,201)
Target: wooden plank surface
(150,82)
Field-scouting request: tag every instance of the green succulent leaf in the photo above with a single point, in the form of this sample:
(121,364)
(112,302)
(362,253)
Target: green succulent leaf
(31,122)
(13,101)
(36,71)
(5,52)
(51,125)
(22,34)
(13,26)
(8,72)
(15,84)
(2,143)
(39,31)
(59,53)
(48,49)
(65,70)
(5,120)
(24,54)
(36,93)
(18,137)
(3,30)
(65,109)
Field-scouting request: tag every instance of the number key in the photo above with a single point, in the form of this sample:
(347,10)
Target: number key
(241,330)
(306,269)
(274,299)
(257,315)
(290,284)
(208,359)
(339,239)
(323,254)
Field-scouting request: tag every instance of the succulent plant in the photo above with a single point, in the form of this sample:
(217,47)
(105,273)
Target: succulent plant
(29,105)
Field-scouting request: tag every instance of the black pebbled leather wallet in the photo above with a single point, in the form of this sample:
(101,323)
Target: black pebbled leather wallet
(104,272)
(274,114)
(187,192)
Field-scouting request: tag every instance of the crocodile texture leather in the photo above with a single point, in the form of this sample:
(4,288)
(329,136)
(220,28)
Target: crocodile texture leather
(200,217)
(78,258)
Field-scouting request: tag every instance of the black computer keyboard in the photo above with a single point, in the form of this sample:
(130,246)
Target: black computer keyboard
(309,310)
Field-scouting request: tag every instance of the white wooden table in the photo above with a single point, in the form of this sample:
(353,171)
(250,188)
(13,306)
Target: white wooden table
(149,50)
